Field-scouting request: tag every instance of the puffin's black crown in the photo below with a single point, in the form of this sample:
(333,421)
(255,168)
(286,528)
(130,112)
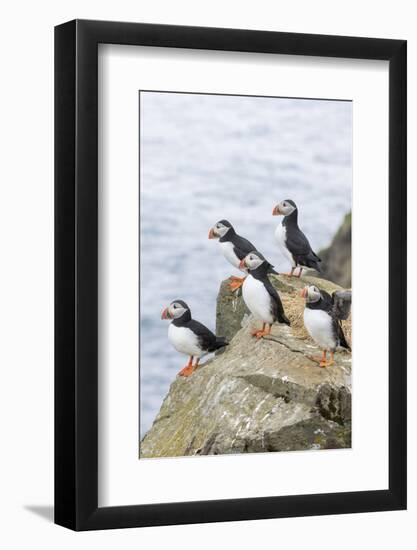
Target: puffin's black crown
(291,202)
(225,223)
(182,304)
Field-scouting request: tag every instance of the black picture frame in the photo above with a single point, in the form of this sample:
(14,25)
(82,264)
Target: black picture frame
(76,272)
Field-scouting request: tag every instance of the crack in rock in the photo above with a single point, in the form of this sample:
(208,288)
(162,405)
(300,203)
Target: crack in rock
(288,346)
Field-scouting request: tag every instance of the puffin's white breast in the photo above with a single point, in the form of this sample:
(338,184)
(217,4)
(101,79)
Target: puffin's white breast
(281,237)
(227,249)
(257,299)
(320,326)
(184,340)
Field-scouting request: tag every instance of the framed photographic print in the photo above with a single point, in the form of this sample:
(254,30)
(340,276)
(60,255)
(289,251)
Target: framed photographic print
(230,274)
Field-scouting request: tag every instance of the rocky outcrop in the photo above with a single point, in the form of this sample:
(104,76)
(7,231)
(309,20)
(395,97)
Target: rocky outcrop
(258,395)
(337,259)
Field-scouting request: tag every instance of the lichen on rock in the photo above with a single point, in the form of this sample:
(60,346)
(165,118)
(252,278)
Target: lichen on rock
(336,258)
(258,395)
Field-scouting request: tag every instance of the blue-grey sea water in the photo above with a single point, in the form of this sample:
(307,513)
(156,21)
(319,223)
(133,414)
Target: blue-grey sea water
(204,158)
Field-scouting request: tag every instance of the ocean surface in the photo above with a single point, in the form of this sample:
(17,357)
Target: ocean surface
(204,158)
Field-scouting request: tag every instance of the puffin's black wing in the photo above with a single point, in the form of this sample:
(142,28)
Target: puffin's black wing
(297,243)
(277,309)
(341,336)
(242,246)
(342,302)
(206,339)
(327,300)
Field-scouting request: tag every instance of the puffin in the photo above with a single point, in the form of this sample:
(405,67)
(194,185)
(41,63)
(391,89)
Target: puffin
(260,296)
(188,336)
(322,316)
(292,241)
(234,248)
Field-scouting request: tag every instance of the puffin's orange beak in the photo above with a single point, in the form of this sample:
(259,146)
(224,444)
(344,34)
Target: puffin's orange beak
(276,211)
(242,264)
(303,292)
(165,314)
(211,234)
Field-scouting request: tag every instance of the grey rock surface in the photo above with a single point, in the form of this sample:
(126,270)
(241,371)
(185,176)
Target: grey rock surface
(336,259)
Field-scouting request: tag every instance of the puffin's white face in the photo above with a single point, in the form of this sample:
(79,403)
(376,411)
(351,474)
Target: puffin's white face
(173,311)
(311,294)
(252,261)
(219,230)
(284,208)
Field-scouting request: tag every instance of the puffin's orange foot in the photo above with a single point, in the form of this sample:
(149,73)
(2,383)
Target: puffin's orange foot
(328,363)
(235,285)
(315,359)
(259,333)
(236,282)
(291,274)
(266,329)
(187,371)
